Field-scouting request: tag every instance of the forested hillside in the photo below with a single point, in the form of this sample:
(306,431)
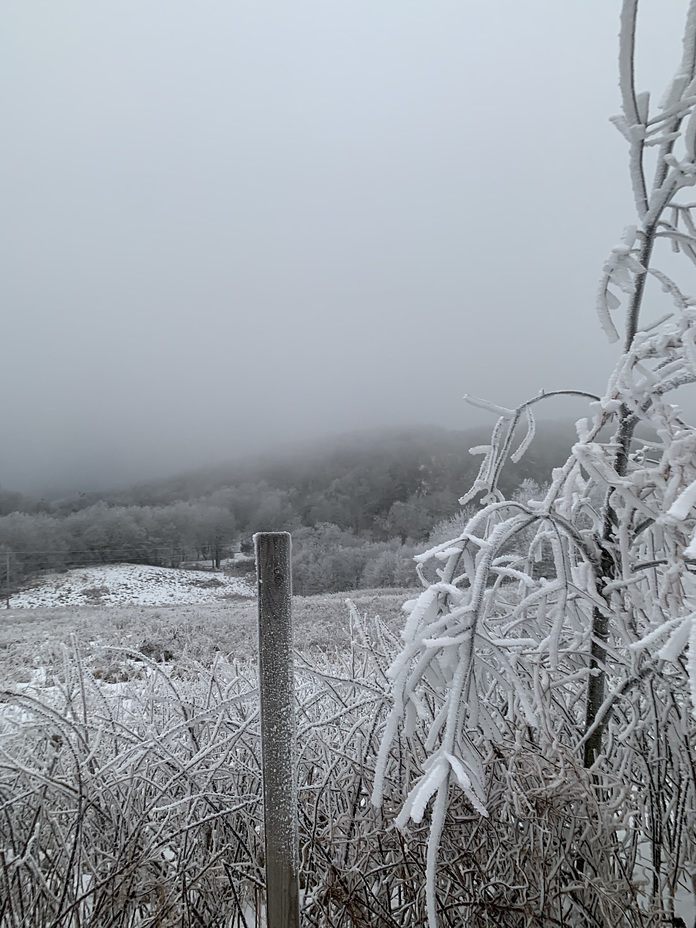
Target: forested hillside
(357,506)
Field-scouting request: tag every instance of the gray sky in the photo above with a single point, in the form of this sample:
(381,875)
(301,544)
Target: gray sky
(225,224)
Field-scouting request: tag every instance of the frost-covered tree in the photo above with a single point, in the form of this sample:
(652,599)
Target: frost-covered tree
(556,680)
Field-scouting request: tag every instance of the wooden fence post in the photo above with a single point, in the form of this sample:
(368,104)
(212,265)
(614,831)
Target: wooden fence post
(277,689)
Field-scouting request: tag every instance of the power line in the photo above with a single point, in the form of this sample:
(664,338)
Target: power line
(154,548)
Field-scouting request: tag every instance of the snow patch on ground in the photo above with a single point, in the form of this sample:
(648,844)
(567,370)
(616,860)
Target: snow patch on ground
(132,584)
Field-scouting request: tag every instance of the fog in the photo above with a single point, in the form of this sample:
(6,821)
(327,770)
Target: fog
(227,225)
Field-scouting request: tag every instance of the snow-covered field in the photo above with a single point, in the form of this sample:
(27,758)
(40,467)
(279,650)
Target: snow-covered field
(133,585)
(109,612)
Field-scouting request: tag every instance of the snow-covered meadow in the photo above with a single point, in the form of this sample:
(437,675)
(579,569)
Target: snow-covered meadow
(129,748)
(167,614)
(133,585)
(131,769)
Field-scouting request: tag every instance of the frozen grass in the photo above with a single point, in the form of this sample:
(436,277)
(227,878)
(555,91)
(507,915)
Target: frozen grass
(31,640)
(130,786)
(138,804)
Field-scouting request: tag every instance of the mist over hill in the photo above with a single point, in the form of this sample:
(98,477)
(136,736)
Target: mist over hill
(358,506)
(419,459)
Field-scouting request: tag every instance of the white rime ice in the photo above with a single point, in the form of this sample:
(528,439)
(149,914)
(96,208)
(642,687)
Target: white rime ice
(564,627)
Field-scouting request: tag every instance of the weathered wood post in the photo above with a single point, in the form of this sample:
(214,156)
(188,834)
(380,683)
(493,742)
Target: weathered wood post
(277,689)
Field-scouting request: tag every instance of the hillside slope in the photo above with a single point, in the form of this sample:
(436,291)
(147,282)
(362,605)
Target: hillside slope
(132,585)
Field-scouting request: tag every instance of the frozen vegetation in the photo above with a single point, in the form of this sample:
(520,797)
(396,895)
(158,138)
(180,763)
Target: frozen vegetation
(521,752)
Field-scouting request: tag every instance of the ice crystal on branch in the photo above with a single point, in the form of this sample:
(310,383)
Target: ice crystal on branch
(564,627)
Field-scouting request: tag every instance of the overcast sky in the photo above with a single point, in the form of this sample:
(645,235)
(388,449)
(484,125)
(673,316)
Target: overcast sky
(224,224)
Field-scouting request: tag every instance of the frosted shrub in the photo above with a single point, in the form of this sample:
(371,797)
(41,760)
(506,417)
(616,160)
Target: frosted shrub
(392,567)
(557,678)
(450,527)
(139,804)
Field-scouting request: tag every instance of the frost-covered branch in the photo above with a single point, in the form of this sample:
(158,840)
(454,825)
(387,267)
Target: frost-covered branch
(538,634)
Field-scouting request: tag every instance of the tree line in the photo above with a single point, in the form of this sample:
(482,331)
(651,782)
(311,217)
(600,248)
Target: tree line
(358,511)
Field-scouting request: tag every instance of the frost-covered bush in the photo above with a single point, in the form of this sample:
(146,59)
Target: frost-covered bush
(392,567)
(139,804)
(560,633)
(328,559)
(449,527)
